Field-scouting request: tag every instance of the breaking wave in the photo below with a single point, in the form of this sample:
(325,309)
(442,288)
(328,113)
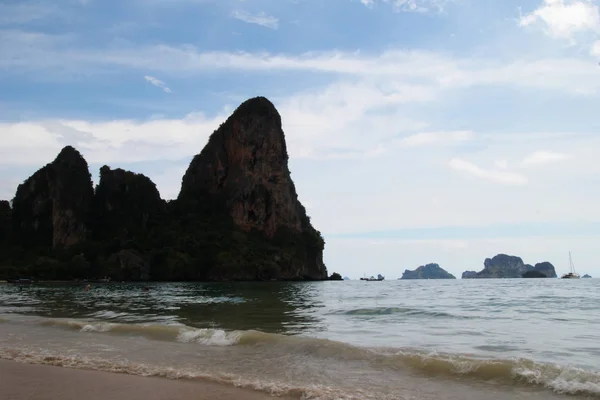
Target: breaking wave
(525,372)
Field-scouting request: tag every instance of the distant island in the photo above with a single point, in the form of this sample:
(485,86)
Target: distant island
(428,271)
(586,276)
(237,216)
(507,266)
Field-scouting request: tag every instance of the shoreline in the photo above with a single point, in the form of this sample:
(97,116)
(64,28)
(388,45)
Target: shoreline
(40,382)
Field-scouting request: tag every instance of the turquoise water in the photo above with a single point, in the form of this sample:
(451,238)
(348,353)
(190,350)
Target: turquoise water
(463,339)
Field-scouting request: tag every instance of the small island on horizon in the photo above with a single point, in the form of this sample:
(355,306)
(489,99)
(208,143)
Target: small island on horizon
(507,266)
(428,271)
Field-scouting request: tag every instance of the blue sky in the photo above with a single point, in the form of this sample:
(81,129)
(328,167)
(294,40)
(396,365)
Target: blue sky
(419,130)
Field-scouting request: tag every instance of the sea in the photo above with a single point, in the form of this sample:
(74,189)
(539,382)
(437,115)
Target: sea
(414,339)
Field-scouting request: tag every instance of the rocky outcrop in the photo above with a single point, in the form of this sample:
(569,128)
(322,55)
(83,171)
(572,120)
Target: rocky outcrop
(126,205)
(507,266)
(429,271)
(128,265)
(53,207)
(5,223)
(534,274)
(237,216)
(335,277)
(546,268)
(243,174)
(469,275)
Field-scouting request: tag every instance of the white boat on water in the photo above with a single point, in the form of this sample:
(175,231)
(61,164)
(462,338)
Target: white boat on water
(572,274)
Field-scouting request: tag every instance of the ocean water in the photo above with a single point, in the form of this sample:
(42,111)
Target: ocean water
(430,339)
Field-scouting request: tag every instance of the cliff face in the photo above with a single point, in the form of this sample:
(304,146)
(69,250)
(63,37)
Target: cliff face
(5,224)
(53,207)
(243,174)
(237,217)
(469,275)
(125,204)
(506,266)
(429,271)
(546,268)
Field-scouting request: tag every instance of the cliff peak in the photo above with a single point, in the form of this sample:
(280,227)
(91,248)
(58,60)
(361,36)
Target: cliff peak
(243,173)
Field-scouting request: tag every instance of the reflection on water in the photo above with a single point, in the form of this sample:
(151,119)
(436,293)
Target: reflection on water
(269,307)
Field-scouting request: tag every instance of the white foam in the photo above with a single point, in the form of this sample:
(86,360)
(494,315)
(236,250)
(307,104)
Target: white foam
(210,337)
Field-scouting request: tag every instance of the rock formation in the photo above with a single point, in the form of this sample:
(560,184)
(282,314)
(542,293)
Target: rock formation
(534,274)
(5,224)
(243,174)
(469,275)
(506,266)
(53,207)
(429,271)
(126,204)
(335,277)
(586,276)
(237,216)
(545,268)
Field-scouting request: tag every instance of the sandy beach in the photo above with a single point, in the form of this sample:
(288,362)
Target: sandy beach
(20,381)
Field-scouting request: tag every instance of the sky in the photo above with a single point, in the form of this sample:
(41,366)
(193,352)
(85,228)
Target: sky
(419,131)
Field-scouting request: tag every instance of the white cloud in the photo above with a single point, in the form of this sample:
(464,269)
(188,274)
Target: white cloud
(157,82)
(261,18)
(412,5)
(595,50)
(543,157)
(565,18)
(502,164)
(23,52)
(495,176)
(434,138)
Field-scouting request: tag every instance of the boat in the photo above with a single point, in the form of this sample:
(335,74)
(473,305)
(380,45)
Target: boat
(572,274)
(372,278)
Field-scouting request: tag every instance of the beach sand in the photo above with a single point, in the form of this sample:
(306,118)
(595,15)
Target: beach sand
(20,381)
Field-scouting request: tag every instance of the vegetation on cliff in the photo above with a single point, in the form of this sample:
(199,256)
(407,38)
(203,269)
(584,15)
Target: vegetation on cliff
(428,271)
(237,216)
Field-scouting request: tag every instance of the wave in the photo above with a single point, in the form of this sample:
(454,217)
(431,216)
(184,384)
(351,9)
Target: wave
(508,372)
(315,392)
(374,311)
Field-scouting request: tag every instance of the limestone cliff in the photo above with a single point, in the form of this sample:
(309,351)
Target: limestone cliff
(545,268)
(237,216)
(243,173)
(428,271)
(5,225)
(469,275)
(126,204)
(507,266)
(52,208)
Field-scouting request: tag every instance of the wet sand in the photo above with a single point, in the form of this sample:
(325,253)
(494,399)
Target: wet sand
(20,381)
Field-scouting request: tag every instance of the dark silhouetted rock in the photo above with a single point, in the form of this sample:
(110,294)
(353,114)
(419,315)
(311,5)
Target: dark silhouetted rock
(52,208)
(237,216)
(5,224)
(534,274)
(546,268)
(242,175)
(126,205)
(469,275)
(506,266)
(429,271)
(128,265)
(335,277)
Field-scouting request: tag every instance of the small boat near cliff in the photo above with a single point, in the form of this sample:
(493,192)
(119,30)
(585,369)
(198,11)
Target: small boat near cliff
(572,274)
(372,278)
